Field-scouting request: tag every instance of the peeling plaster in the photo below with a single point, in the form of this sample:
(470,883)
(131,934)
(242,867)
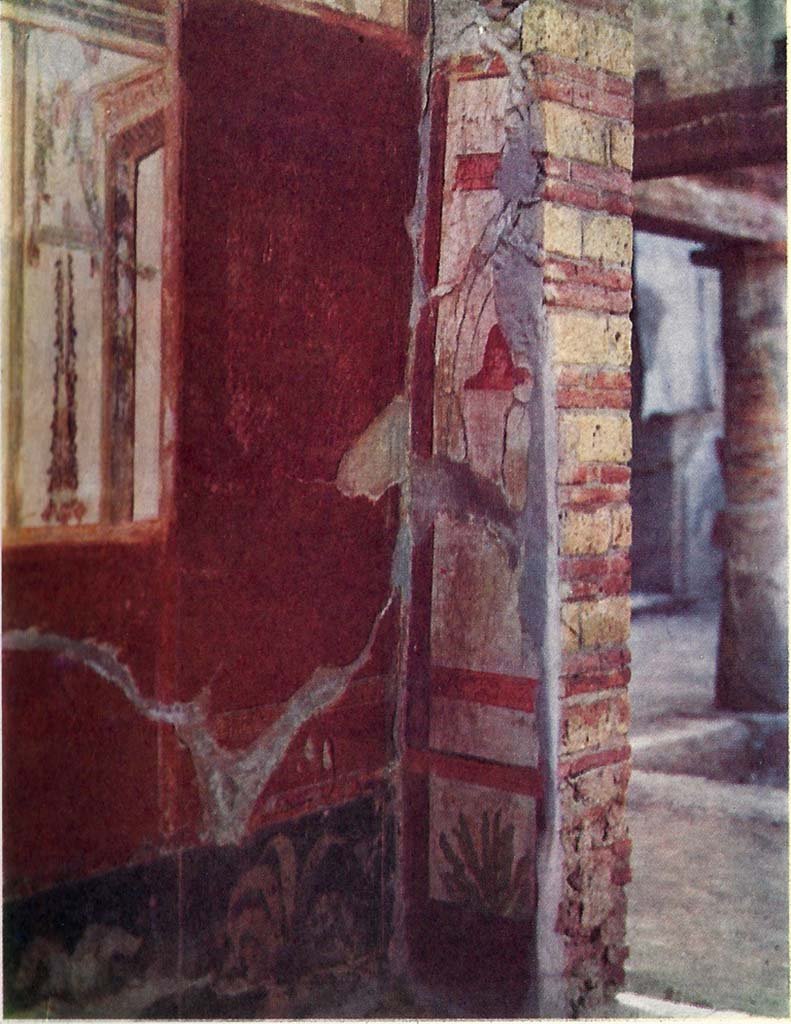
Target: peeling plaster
(378,458)
(502,278)
(229,781)
(511,244)
(442,485)
(374,463)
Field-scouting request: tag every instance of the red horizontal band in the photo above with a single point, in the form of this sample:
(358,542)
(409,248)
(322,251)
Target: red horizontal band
(481,773)
(490,688)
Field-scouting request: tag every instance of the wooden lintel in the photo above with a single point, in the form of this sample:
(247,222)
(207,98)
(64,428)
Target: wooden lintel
(711,132)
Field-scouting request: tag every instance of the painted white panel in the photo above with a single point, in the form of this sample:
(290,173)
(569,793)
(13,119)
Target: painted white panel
(148,350)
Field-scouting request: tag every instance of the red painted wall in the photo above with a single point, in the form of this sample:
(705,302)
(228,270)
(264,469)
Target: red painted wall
(300,163)
(80,766)
(300,167)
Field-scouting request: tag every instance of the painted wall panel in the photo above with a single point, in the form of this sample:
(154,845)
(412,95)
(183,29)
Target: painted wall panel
(80,764)
(300,168)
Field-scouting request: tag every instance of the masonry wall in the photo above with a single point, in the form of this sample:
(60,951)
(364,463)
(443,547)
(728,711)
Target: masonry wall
(376,704)
(582,75)
(520,718)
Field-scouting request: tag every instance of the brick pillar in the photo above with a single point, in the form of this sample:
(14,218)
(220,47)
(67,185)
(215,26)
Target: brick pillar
(752,665)
(580,55)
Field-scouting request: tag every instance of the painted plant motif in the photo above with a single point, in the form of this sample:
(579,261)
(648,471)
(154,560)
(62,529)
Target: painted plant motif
(63,504)
(63,131)
(486,877)
(43,143)
(64,136)
(283,915)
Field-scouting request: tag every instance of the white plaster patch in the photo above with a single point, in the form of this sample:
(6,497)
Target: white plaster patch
(485,415)
(378,458)
(476,118)
(465,217)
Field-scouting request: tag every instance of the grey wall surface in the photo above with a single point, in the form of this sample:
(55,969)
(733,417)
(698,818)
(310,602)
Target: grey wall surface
(677,419)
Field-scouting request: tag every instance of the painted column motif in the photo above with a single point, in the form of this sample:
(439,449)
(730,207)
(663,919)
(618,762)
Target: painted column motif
(64,504)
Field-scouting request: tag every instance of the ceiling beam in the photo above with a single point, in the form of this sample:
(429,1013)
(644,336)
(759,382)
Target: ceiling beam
(711,132)
(703,212)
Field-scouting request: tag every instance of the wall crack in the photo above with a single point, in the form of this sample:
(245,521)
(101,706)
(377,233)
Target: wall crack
(229,781)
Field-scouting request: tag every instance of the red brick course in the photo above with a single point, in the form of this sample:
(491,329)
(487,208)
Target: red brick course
(584,272)
(580,663)
(588,198)
(584,578)
(572,295)
(597,759)
(564,68)
(575,685)
(571,496)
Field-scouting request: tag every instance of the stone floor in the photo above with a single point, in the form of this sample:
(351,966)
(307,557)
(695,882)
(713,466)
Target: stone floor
(708,904)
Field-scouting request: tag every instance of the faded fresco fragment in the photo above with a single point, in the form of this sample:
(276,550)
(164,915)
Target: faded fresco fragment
(56,468)
(483,849)
(481,394)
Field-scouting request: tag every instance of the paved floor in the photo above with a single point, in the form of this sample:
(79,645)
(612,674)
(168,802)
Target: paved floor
(708,904)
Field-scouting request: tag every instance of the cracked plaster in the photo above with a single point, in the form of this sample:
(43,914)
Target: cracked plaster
(501,280)
(229,781)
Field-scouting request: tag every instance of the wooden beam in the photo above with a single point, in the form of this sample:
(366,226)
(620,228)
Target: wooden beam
(711,132)
(703,212)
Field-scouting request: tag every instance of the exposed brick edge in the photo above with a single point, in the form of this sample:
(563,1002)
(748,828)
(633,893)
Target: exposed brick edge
(488,688)
(586,662)
(574,686)
(583,571)
(577,496)
(571,295)
(566,68)
(584,397)
(586,198)
(595,473)
(586,272)
(592,98)
(587,762)
(507,778)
